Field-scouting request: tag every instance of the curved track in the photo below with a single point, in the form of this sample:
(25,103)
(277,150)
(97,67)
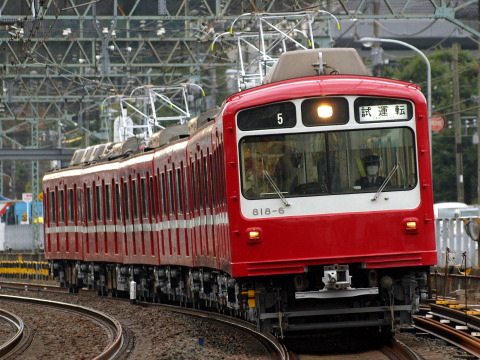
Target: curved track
(20,334)
(119,341)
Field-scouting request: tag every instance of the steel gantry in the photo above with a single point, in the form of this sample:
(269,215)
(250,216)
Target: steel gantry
(62,58)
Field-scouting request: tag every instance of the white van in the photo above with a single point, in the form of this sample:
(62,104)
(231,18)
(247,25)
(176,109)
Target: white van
(449,210)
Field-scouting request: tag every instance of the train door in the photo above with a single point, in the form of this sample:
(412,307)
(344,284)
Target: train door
(208,209)
(118,220)
(73,245)
(99,220)
(137,243)
(89,233)
(219,202)
(81,221)
(183,242)
(63,235)
(52,244)
(110,243)
(128,240)
(171,213)
(150,214)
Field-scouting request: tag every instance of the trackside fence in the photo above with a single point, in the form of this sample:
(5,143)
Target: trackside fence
(454,246)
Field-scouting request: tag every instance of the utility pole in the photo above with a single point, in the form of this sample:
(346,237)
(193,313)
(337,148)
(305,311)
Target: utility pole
(478,125)
(457,125)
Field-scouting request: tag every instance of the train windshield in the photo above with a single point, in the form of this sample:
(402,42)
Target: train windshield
(321,163)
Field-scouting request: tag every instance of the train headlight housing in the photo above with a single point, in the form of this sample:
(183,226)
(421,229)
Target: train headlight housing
(325,111)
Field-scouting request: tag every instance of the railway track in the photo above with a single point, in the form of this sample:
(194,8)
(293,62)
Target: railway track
(20,335)
(119,338)
(455,323)
(274,348)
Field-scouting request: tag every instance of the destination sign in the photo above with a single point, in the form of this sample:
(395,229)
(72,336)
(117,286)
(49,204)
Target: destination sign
(379,110)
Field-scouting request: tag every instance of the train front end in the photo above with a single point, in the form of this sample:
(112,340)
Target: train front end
(333,223)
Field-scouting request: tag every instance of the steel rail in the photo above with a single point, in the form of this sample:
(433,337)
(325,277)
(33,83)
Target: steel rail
(17,323)
(456,337)
(109,322)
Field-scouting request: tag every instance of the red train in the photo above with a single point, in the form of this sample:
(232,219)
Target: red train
(304,203)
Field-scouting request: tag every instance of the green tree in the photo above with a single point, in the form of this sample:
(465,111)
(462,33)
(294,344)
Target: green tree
(413,69)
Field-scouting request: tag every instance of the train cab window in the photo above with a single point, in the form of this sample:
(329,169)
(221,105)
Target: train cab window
(135,199)
(335,162)
(98,202)
(61,206)
(108,202)
(52,207)
(70,205)
(118,204)
(144,200)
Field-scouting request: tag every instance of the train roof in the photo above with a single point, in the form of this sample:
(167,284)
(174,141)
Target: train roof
(313,62)
(168,135)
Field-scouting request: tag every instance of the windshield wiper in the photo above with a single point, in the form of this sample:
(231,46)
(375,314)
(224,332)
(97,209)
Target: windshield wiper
(385,182)
(275,187)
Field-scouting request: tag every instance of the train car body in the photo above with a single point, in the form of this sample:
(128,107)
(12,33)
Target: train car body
(305,203)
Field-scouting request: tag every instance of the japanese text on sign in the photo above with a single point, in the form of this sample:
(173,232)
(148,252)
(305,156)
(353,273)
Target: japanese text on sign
(383,112)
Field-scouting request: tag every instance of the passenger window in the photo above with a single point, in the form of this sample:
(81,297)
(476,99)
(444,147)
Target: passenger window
(126,200)
(144,200)
(61,206)
(118,199)
(89,204)
(99,202)
(70,205)
(52,212)
(135,199)
(108,202)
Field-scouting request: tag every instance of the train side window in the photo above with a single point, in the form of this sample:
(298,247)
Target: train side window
(194,185)
(200,183)
(118,204)
(179,190)
(70,205)
(206,182)
(98,202)
(185,188)
(151,187)
(144,200)
(61,206)
(108,202)
(80,206)
(126,202)
(89,204)
(171,194)
(53,218)
(135,198)
(212,180)
(164,199)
